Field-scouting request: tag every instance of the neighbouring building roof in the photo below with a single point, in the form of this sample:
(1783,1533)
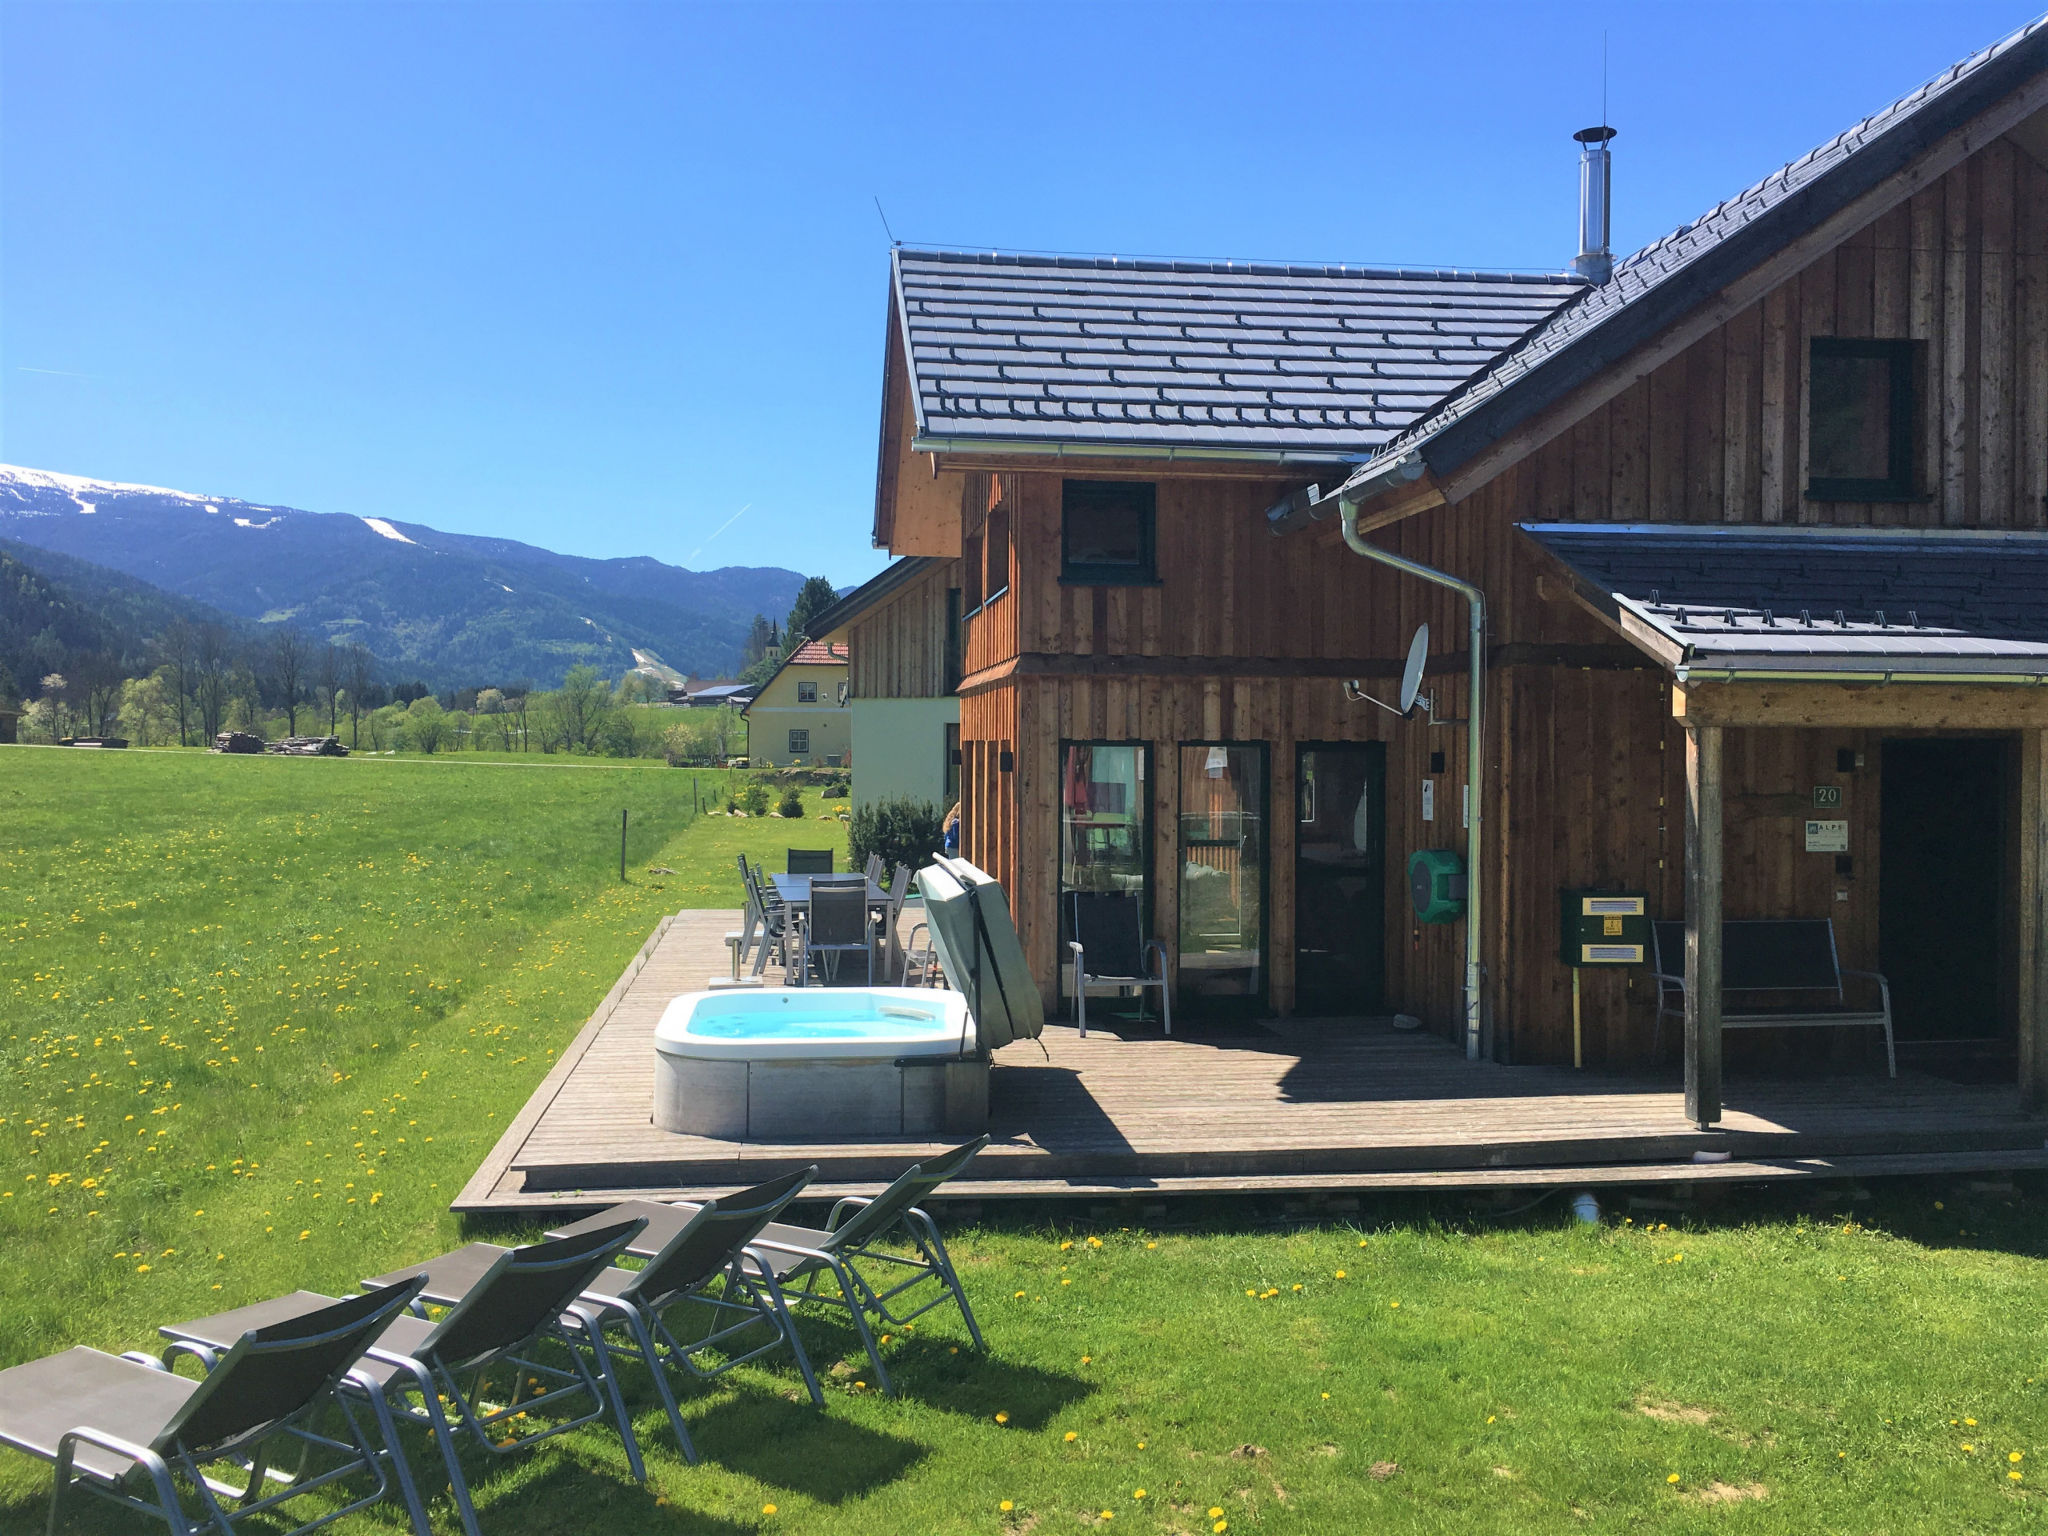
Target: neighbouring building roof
(1668,278)
(1256,360)
(1790,599)
(816,653)
(870,592)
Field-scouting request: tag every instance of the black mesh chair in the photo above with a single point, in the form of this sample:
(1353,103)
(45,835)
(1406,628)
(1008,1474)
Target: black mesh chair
(705,1263)
(810,861)
(837,922)
(501,1304)
(124,1428)
(1110,949)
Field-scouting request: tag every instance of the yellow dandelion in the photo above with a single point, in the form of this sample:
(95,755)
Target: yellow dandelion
(1326,1397)
(1220,1526)
(1141,1445)
(1969,1450)
(1064,1247)
(2015,1456)
(1393,1304)
(1002,1418)
(1087,1359)
(1672,1478)
(1340,1274)
(142,1269)
(1070,1437)
(767,1509)
(1971,1422)
(2014,1476)
(1006,1506)
(303,1235)
(1216,1512)
(1017,1296)
(1151,1245)
(1138,1493)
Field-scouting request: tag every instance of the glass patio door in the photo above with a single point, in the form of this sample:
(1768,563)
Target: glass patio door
(1223,872)
(1105,831)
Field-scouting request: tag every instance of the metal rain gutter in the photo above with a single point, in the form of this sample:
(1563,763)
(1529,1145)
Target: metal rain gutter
(1889,677)
(1369,481)
(1475,761)
(983,445)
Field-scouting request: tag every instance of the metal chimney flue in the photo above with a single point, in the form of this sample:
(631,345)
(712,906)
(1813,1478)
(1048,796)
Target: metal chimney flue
(1595,260)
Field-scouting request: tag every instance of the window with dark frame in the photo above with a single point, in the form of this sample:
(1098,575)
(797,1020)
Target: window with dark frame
(799,742)
(1108,532)
(807,693)
(996,540)
(971,572)
(1862,424)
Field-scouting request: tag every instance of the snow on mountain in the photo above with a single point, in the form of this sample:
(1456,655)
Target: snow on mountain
(442,604)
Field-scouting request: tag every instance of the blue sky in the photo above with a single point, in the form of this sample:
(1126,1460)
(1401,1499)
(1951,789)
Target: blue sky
(599,277)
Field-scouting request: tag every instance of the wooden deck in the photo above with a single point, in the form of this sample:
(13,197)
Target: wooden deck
(1293,1105)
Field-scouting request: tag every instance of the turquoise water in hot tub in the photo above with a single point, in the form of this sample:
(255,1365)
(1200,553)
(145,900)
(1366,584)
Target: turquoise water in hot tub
(816,1022)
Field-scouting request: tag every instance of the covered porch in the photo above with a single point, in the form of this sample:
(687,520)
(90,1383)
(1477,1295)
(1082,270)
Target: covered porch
(1911,644)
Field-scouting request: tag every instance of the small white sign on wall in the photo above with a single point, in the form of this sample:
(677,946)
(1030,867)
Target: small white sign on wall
(1429,799)
(1827,837)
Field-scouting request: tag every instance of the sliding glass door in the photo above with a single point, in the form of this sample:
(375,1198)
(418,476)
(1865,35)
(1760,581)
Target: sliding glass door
(1222,849)
(1105,831)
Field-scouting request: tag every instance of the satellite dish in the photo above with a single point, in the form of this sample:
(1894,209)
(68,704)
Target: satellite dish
(1411,675)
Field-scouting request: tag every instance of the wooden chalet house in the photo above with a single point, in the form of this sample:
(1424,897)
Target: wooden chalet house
(1753,521)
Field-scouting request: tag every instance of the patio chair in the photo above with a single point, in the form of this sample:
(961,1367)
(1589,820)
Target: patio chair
(847,1247)
(837,923)
(920,964)
(810,861)
(705,1262)
(124,1428)
(892,912)
(775,934)
(501,1303)
(1110,949)
(874,869)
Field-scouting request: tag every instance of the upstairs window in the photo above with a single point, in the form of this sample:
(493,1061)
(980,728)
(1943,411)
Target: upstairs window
(1862,422)
(807,693)
(1107,533)
(996,544)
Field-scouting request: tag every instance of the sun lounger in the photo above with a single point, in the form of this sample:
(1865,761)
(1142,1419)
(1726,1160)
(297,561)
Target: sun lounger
(697,1254)
(848,1248)
(501,1303)
(125,1428)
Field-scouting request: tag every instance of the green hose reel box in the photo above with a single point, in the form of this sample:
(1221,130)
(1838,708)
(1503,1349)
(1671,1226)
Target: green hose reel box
(1436,884)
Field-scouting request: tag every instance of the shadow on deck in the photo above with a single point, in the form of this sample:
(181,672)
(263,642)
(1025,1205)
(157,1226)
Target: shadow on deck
(1301,1104)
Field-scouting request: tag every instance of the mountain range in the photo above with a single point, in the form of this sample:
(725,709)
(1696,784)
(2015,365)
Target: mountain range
(448,608)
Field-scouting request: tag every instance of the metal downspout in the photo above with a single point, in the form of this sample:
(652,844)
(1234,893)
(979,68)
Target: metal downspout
(1475,760)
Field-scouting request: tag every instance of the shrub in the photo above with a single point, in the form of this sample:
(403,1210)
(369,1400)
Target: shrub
(754,799)
(792,803)
(901,831)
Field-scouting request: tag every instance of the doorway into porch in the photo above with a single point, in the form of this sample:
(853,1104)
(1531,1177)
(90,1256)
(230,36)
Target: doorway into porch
(1339,877)
(1943,908)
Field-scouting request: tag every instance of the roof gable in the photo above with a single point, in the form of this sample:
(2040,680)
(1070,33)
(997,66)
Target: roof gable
(1660,285)
(1234,359)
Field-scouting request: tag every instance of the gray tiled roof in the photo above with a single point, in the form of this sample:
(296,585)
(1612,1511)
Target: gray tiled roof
(1884,600)
(1664,280)
(1324,362)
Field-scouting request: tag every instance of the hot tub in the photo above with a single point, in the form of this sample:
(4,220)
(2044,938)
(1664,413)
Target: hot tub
(819,1064)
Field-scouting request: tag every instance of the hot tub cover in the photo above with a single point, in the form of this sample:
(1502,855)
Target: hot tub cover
(978,946)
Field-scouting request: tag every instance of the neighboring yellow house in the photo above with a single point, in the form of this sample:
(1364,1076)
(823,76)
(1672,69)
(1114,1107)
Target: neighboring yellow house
(800,714)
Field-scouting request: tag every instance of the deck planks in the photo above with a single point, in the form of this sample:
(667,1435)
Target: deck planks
(1296,1104)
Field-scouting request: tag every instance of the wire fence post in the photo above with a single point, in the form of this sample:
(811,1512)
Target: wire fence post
(622,843)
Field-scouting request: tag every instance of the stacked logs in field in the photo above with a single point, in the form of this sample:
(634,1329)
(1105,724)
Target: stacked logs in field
(237,741)
(309,746)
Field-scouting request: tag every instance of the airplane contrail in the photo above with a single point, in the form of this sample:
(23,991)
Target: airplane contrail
(693,554)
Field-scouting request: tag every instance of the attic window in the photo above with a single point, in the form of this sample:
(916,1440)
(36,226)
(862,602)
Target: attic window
(807,693)
(1863,407)
(1107,532)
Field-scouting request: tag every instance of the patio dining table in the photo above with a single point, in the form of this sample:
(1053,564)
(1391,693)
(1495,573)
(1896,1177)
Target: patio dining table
(794,891)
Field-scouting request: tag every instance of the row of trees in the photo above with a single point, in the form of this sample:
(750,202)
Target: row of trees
(206,680)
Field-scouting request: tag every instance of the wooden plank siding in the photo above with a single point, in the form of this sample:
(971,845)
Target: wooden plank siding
(897,649)
(1248,638)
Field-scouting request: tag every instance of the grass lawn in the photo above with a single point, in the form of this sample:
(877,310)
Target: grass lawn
(264,1016)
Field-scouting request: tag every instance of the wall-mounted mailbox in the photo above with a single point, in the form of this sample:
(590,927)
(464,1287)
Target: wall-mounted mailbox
(1603,928)
(1436,884)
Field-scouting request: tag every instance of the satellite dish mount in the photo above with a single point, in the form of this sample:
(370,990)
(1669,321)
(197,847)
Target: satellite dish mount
(1411,685)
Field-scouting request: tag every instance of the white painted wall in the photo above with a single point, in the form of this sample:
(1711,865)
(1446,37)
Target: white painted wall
(899,748)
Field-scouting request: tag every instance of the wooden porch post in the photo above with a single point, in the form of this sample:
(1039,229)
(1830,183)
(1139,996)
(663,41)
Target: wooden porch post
(1702,923)
(2033,893)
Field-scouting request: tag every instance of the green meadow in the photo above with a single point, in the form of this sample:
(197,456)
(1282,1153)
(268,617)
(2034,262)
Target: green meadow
(263,1017)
